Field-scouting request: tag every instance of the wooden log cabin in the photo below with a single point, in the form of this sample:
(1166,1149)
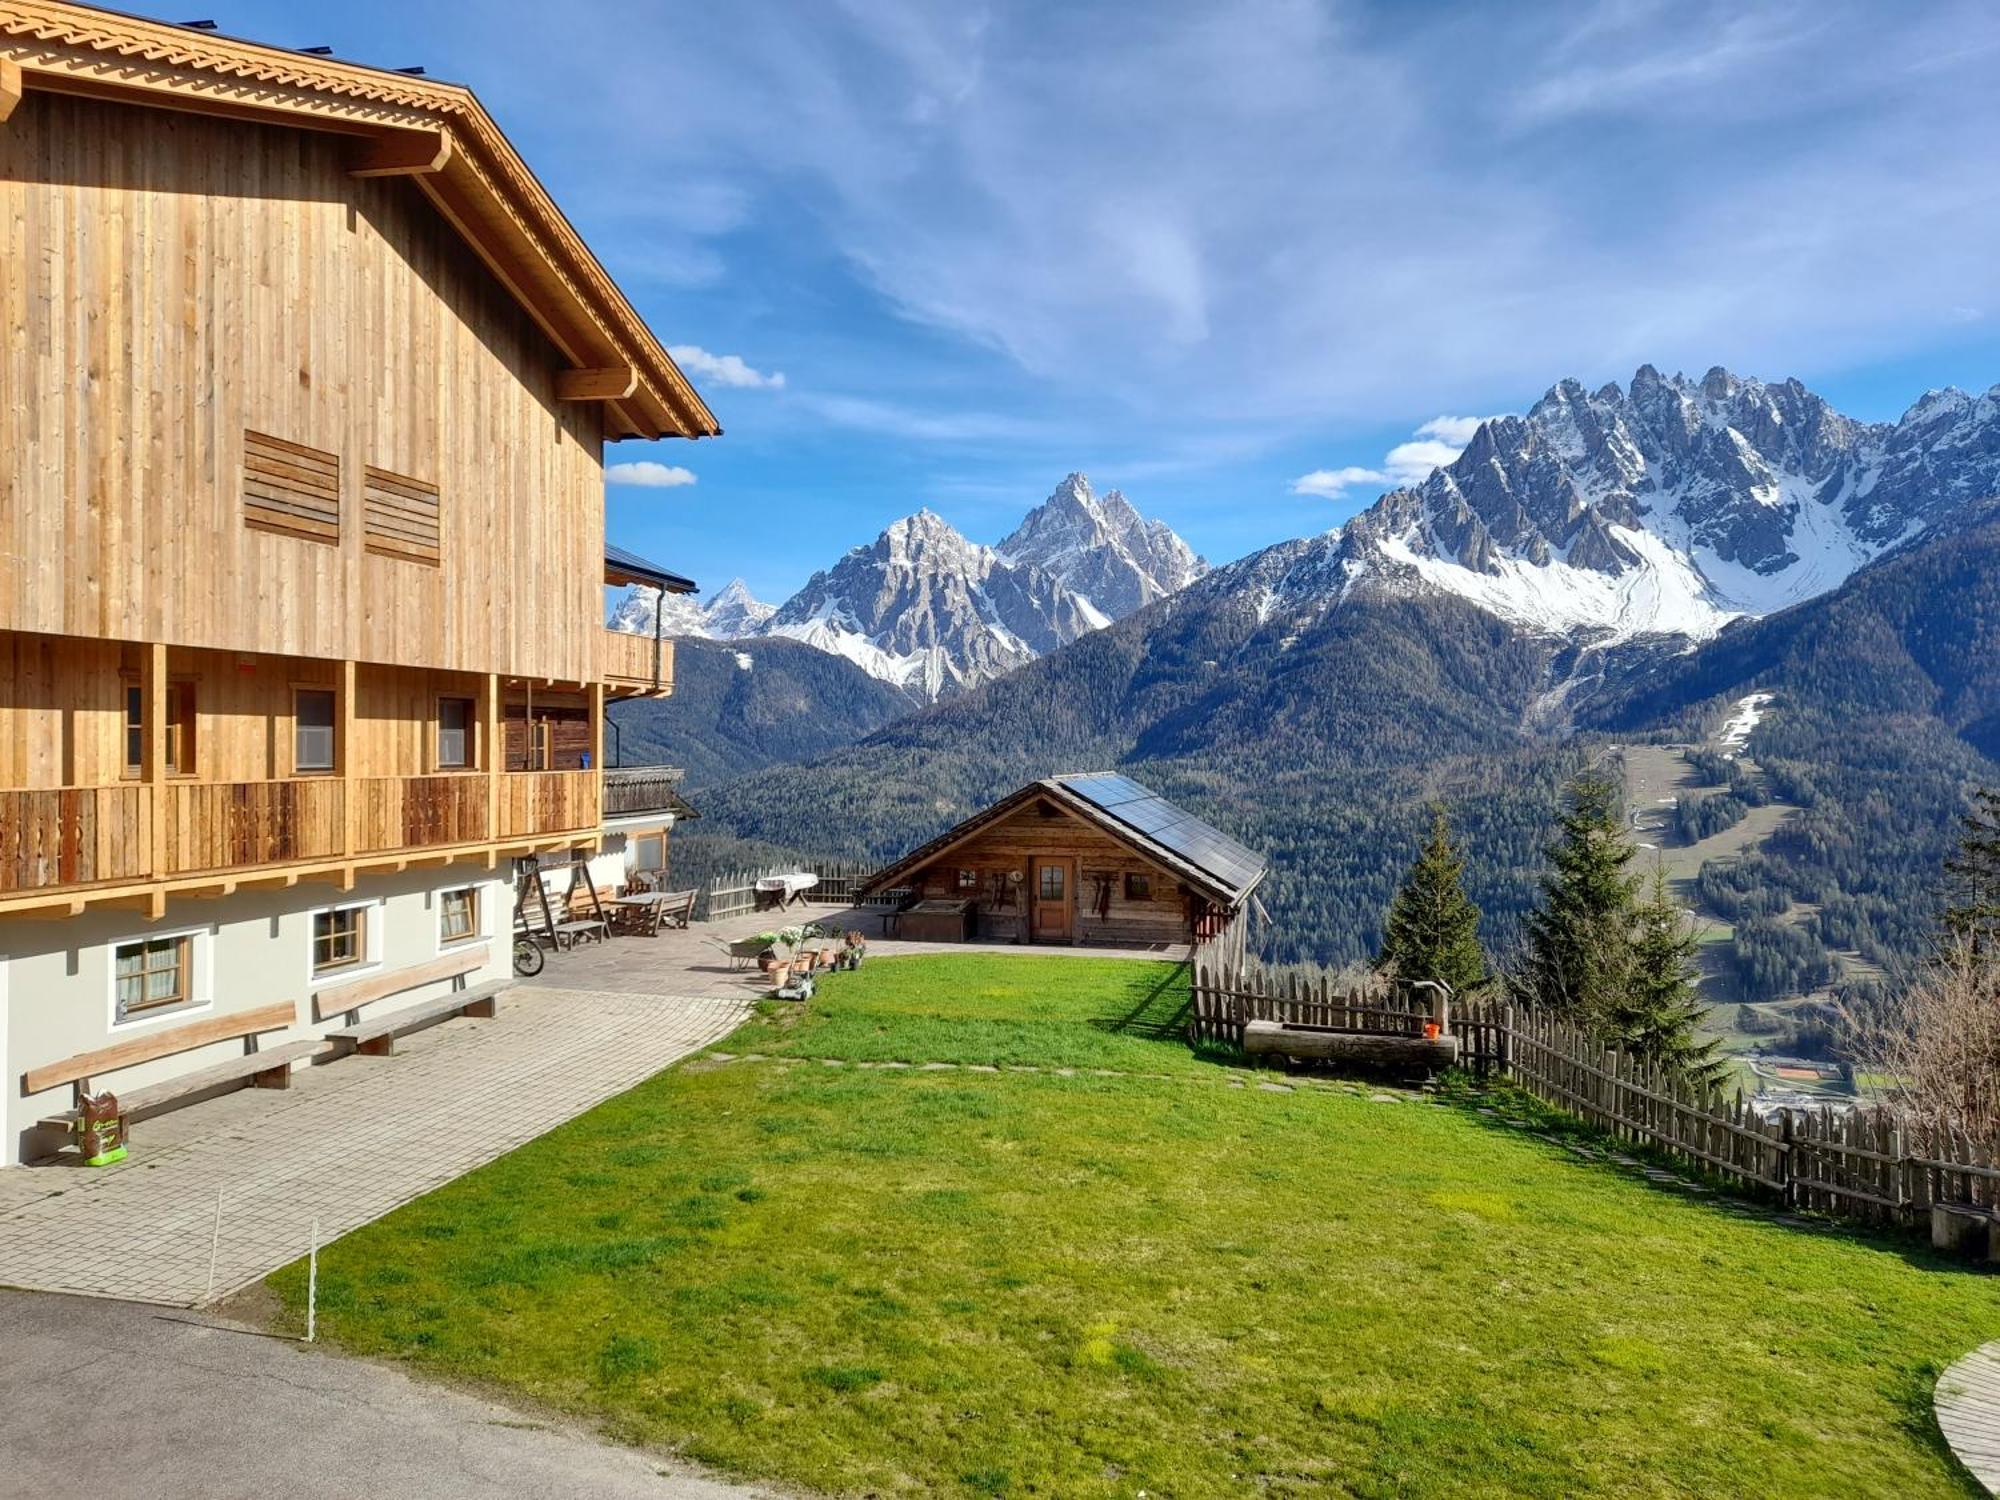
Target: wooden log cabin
(1091,858)
(302,540)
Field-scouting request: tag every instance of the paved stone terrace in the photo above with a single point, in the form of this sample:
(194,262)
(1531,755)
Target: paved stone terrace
(355,1137)
(349,1141)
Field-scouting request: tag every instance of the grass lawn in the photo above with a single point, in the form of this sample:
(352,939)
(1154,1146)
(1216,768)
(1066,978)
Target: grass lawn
(914,1282)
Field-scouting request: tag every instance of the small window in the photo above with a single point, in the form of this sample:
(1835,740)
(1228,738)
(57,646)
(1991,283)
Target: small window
(455,720)
(968,880)
(649,851)
(312,748)
(1052,883)
(340,939)
(135,731)
(458,915)
(1138,888)
(153,974)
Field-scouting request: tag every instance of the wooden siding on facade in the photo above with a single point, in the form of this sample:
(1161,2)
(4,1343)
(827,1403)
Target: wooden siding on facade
(1009,846)
(400,516)
(218,278)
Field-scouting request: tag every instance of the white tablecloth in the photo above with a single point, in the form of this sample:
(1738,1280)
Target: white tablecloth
(788,885)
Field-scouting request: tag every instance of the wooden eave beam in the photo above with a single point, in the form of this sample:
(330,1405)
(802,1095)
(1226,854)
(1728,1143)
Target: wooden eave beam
(10,87)
(408,153)
(609,383)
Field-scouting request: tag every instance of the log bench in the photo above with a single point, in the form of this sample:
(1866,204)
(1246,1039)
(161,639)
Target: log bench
(1336,1044)
(264,1068)
(376,1037)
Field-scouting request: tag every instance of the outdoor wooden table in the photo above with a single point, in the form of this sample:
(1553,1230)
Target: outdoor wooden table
(640,912)
(776,892)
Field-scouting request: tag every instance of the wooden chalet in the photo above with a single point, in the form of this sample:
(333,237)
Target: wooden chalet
(302,542)
(1092,858)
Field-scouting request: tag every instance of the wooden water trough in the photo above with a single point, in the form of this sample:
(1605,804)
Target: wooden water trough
(1427,1045)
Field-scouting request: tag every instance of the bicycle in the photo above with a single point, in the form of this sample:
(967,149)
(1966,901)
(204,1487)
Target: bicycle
(528,956)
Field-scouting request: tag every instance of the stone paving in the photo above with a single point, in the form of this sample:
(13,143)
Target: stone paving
(349,1141)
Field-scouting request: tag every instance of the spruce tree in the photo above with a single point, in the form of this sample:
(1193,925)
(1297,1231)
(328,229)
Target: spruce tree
(1658,1015)
(1579,956)
(1973,876)
(1432,931)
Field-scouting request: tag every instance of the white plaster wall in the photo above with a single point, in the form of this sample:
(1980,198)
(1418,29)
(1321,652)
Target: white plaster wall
(250,949)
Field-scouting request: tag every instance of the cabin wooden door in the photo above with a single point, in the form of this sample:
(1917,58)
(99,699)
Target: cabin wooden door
(1052,899)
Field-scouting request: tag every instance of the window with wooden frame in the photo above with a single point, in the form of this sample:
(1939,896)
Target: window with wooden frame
(458,915)
(312,729)
(968,880)
(153,975)
(456,740)
(135,730)
(1138,888)
(291,489)
(340,939)
(649,850)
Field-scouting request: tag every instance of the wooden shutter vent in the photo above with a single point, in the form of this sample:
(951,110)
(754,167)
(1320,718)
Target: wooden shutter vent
(400,516)
(290,489)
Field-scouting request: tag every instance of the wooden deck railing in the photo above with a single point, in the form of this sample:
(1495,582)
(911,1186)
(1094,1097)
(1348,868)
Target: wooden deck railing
(228,825)
(418,812)
(537,802)
(73,836)
(627,661)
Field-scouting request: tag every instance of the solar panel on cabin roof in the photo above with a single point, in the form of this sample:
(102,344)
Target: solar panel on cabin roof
(1148,813)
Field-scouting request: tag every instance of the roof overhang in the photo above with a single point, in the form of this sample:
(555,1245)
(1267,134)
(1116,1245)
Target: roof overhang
(622,567)
(438,134)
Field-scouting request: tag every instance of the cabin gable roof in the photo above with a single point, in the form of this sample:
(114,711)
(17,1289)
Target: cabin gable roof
(436,133)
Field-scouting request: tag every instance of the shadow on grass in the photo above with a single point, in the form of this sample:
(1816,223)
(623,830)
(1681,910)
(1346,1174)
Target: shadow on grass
(1141,1021)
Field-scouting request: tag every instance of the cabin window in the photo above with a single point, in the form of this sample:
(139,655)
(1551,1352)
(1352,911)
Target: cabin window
(455,721)
(1051,882)
(290,489)
(153,975)
(458,915)
(649,851)
(135,730)
(340,939)
(1138,888)
(968,880)
(312,745)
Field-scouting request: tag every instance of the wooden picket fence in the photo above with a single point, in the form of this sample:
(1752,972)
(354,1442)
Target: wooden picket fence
(1852,1164)
(734,894)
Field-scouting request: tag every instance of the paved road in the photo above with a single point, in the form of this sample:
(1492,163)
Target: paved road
(116,1399)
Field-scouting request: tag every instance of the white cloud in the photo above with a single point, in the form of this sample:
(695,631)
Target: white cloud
(1331,484)
(647,475)
(724,369)
(1437,443)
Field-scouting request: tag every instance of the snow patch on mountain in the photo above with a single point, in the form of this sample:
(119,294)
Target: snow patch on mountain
(733,613)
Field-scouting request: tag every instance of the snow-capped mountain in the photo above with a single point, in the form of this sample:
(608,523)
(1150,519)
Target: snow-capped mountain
(1669,508)
(1103,549)
(926,609)
(730,615)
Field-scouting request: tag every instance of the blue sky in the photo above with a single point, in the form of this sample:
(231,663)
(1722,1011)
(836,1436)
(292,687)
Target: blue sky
(1201,251)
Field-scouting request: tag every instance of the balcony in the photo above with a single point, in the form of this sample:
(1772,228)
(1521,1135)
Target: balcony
(64,843)
(627,665)
(639,791)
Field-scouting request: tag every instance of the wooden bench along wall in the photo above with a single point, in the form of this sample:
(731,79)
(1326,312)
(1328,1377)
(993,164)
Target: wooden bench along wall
(377,1037)
(339,999)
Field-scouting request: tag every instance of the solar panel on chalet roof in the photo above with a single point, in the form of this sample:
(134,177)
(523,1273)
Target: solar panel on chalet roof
(1174,829)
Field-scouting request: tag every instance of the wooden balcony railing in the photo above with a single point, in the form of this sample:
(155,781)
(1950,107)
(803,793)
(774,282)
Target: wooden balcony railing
(537,802)
(415,812)
(630,790)
(74,836)
(69,837)
(627,662)
(230,825)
